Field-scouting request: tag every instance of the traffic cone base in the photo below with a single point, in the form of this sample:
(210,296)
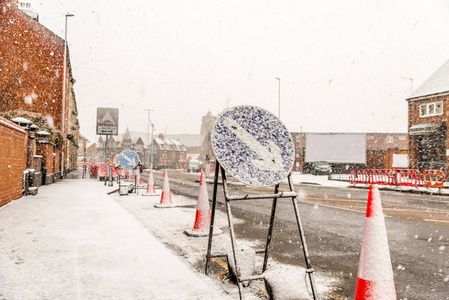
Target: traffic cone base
(373,290)
(150,194)
(202,220)
(197,233)
(165,205)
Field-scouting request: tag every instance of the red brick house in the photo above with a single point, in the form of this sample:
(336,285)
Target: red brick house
(31,77)
(386,150)
(428,112)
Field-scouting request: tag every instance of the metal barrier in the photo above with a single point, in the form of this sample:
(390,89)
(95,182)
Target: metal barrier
(433,178)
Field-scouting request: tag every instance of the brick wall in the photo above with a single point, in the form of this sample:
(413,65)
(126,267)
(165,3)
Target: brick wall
(13,147)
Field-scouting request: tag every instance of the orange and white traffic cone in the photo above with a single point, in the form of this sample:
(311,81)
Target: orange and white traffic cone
(202,217)
(139,179)
(151,191)
(375,275)
(166,201)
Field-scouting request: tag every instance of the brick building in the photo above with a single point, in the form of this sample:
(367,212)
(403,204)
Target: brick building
(167,152)
(31,77)
(428,113)
(382,150)
(386,150)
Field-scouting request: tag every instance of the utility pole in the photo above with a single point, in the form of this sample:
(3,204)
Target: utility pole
(64,78)
(150,156)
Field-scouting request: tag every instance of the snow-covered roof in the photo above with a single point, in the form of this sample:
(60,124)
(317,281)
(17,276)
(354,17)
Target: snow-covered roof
(188,140)
(438,83)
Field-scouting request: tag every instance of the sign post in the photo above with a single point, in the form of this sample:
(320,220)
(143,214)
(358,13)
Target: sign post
(107,124)
(128,160)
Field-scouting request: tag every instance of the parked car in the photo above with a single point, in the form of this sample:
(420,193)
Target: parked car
(321,168)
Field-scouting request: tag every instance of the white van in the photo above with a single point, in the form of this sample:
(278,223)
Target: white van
(194,165)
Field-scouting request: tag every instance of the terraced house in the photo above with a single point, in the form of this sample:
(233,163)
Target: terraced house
(428,113)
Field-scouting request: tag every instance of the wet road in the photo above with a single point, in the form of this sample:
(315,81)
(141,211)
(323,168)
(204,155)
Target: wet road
(333,218)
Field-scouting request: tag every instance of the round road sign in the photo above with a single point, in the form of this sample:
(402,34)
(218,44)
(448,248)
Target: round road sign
(253,145)
(128,159)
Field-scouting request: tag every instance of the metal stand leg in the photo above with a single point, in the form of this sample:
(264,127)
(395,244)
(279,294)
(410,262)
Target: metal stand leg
(303,239)
(212,218)
(270,229)
(292,194)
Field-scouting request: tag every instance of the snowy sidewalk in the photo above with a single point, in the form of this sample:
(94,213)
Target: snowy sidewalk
(72,241)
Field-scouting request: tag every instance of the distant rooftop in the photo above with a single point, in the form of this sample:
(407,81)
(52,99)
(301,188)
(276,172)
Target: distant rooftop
(438,83)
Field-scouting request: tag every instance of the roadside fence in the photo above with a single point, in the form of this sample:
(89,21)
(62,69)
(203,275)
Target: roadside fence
(398,177)
(433,178)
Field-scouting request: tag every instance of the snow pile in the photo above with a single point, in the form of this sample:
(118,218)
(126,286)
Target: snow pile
(287,283)
(246,261)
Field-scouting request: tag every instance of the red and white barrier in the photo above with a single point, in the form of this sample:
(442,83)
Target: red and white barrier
(433,178)
(407,177)
(402,177)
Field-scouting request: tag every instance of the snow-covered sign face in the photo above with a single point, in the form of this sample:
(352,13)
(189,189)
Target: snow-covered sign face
(128,159)
(253,145)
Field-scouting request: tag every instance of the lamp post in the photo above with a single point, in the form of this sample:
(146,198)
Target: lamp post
(67,15)
(152,146)
(279,106)
(150,159)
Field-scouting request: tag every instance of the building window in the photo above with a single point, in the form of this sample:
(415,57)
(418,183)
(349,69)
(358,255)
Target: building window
(389,139)
(423,110)
(164,155)
(370,137)
(431,109)
(402,138)
(439,108)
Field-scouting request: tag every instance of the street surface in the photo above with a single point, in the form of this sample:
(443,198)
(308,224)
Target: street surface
(333,218)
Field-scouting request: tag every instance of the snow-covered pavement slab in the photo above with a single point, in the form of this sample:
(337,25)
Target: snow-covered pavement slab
(73,241)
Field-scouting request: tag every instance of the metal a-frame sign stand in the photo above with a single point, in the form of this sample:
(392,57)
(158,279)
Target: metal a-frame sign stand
(253,145)
(275,196)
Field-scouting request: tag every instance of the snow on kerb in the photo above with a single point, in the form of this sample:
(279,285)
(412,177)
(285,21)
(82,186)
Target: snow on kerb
(253,145)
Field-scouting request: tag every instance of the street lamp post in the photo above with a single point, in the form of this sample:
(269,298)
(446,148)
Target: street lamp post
(150,159)
(279,105)
(64,78)
(152,145)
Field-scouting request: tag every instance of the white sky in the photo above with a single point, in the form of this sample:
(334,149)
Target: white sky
(341,63)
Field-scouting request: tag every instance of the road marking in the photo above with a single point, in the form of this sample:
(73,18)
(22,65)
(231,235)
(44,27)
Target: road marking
(438,221)
(270,161)
(131,161)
